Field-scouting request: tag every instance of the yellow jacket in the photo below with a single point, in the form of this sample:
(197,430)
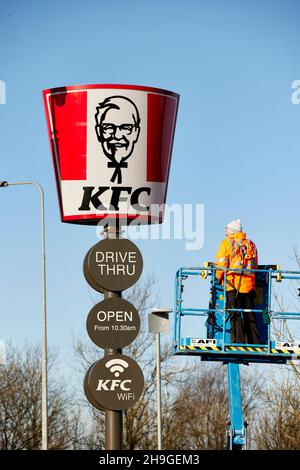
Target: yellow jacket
(237,252)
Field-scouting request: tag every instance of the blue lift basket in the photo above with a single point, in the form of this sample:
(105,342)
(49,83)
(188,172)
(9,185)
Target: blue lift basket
(215,345)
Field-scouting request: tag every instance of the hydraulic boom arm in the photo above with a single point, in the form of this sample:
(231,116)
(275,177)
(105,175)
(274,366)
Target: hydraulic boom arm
(237,431)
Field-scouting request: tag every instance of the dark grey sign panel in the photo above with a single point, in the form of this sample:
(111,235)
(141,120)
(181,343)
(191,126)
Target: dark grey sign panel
(88,394)
(116,382)
(113,264)
(87,276)
(113,323)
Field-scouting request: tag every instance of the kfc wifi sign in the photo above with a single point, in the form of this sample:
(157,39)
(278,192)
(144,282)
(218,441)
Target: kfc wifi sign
(111,147)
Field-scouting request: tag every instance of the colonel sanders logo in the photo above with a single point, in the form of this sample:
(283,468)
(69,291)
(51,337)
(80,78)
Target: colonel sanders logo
(118,129)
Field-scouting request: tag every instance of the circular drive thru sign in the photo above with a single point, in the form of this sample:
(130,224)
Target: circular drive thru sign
(116,382)
(113,264)
(113,323)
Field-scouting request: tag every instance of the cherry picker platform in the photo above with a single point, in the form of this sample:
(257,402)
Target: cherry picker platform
(214,343)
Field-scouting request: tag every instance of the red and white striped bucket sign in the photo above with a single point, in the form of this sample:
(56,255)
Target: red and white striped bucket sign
(111,147)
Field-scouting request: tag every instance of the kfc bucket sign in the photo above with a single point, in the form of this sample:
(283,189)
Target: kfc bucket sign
(111,147)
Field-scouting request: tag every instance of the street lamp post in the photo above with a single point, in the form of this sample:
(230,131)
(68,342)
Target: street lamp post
(44,317)
(159,323)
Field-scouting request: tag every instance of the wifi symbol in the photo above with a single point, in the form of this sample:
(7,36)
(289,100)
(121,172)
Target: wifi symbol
(116,366)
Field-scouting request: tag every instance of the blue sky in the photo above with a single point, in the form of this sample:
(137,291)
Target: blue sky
(236,147)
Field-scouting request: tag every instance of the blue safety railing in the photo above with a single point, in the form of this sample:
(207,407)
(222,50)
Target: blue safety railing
(233,354)
(272,275)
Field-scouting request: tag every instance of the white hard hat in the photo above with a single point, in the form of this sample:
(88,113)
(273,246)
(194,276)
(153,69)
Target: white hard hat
(234,227)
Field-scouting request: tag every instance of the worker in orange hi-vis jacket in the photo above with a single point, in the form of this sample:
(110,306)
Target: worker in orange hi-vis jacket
(236,251)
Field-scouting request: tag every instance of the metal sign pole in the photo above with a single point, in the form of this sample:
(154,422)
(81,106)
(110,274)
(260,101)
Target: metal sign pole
(113,418)
(158,375)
